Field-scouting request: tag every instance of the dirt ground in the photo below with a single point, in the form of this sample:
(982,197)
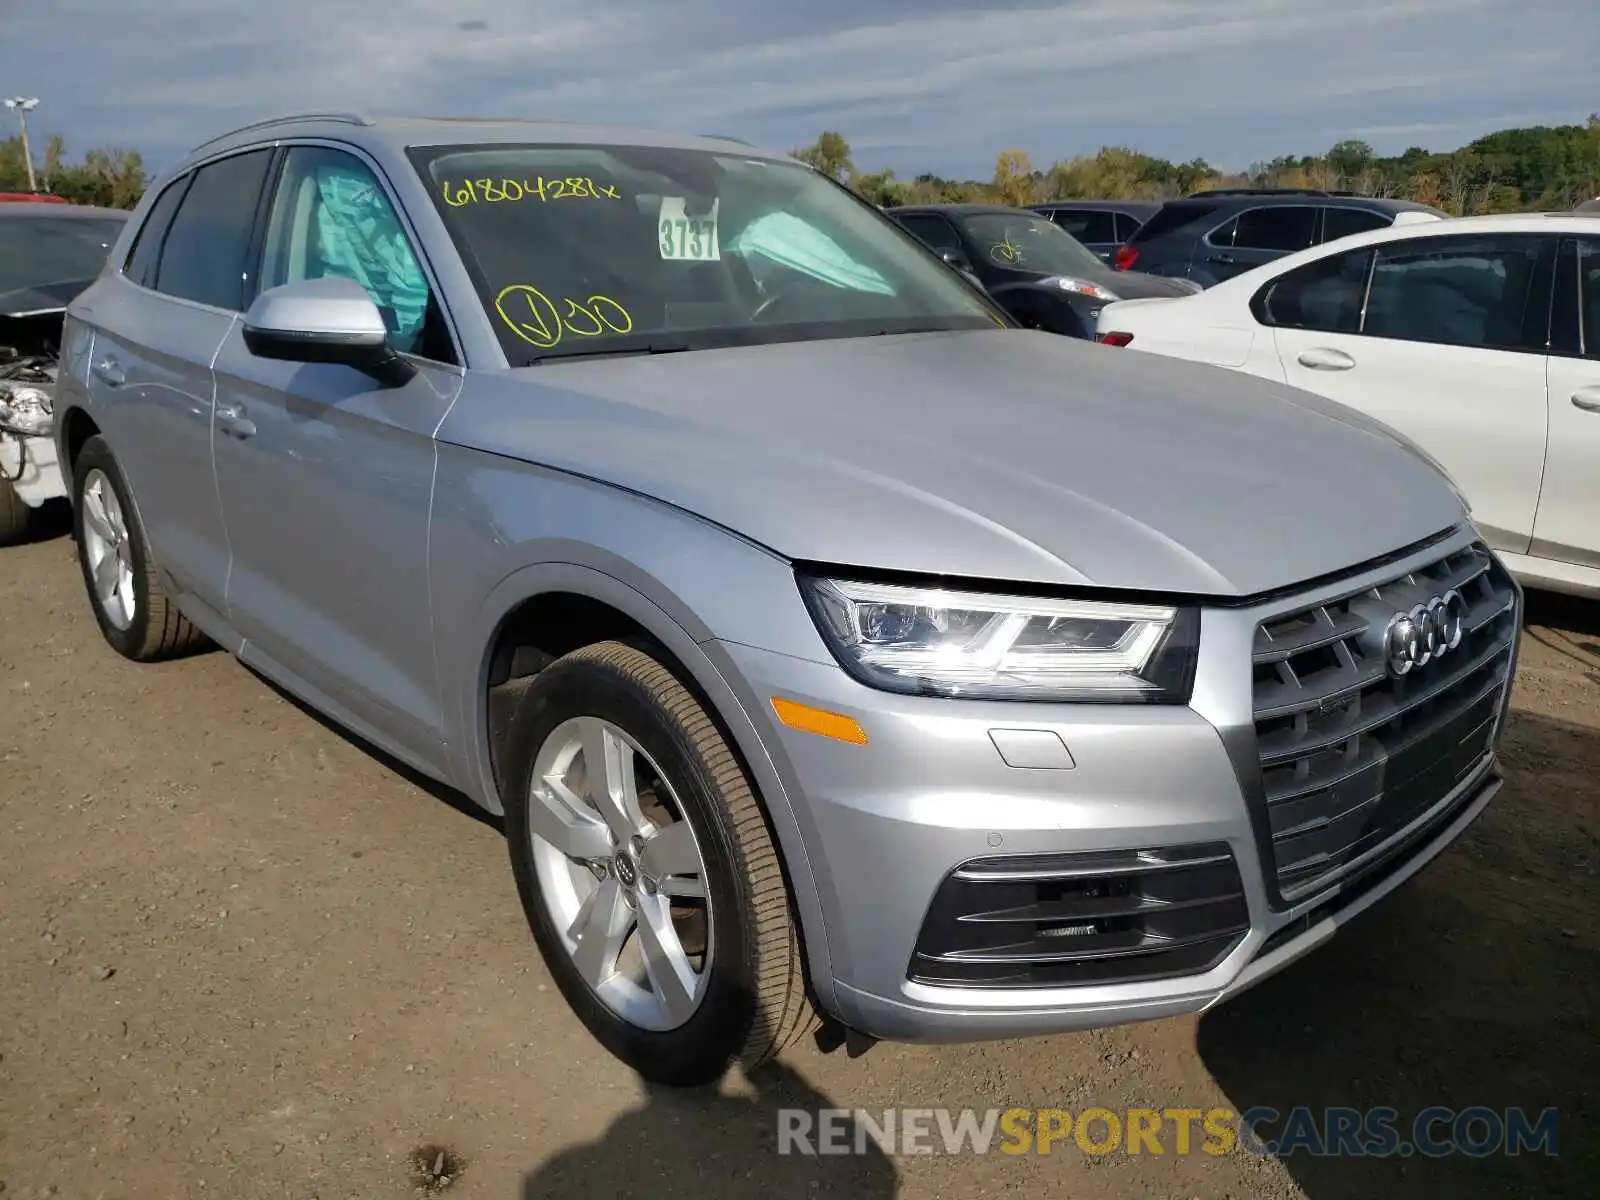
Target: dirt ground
(240,956)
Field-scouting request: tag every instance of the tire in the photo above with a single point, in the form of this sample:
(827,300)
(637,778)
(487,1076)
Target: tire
(752,1001)
(141,622)
(15,516)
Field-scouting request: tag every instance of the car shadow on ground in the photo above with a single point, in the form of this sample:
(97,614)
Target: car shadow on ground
(697,1143)
(441,792)
(1568,625)
(51,520)
(1476,984)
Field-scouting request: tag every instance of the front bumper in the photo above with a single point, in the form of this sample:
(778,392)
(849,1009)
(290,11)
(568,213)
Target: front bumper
(887,824)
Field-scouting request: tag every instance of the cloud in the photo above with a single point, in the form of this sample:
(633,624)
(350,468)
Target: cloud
(932,85)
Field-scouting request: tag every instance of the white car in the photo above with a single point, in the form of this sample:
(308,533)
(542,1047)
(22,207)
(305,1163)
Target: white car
(1478,338)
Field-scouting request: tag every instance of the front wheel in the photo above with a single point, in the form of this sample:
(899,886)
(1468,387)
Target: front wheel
(647,871)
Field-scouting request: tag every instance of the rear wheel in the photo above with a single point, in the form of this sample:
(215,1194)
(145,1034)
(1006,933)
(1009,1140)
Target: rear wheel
(133,610)
(647,872)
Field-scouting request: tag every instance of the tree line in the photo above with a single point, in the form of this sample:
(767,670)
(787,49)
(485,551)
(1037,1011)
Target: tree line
(1540,168)
(110,177)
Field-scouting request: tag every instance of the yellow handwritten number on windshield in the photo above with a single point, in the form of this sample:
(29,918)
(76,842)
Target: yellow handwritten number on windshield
(535,319)
(1006,252)
(496,191)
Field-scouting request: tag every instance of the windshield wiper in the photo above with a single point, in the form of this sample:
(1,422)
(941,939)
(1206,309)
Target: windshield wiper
(614,352)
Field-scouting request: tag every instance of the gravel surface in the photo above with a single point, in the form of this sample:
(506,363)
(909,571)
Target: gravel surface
(241,956)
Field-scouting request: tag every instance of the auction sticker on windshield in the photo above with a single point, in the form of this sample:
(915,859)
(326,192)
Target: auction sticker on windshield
(685,238)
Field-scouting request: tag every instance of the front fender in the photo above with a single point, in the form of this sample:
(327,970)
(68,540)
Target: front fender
(506,531)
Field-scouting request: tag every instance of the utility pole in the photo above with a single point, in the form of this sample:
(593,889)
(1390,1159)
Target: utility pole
(23,106)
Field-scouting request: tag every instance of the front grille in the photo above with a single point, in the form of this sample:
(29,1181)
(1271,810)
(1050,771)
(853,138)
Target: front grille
(1055,920)
(1350,753)
(1394,857)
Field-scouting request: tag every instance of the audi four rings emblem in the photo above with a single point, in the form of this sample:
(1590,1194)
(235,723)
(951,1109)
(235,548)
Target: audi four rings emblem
(1430,630)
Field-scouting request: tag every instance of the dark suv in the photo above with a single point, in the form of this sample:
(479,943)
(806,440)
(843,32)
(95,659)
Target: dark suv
(1215,235)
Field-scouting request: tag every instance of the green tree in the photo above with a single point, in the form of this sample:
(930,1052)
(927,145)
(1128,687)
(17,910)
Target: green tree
(1350,158)
(830,154)
(110,177)
(1014,180)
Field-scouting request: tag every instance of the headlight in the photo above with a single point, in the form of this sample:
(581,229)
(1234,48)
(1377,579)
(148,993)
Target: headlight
(25,409)
(951,643)
(1068,284)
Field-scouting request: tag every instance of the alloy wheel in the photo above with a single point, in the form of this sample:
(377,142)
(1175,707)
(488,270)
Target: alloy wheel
(620,873)
(108,549)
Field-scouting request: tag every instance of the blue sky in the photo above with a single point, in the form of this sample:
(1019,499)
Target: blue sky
(914,84)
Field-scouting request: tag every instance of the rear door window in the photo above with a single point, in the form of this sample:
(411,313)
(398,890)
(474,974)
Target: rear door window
(1486,292)
(204,256)
(1279,227)
(1170,218)
(1342,222)
(1086,225)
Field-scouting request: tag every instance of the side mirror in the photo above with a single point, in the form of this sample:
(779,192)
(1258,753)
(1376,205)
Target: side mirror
(957,261)
(325,321)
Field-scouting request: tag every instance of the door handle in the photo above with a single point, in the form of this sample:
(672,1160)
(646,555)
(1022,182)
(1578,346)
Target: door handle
(1324,359)
(108,372)
(1587,399)
(233,421)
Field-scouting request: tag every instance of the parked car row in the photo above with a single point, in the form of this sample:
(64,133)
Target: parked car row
(1032,268)
(1479,338)
(834,649)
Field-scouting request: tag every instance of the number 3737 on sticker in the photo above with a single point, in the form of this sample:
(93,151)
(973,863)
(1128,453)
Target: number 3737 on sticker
(688,238)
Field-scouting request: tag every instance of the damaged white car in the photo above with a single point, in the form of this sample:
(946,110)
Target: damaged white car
(48,254)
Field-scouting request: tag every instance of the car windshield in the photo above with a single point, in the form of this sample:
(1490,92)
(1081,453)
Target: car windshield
(39,250)
(1030,243)
(600,249)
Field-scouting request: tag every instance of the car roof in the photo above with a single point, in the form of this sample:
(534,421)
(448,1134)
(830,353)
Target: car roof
(962,210)
(1261,197)
(25,211)
(401,133)
(1115,205)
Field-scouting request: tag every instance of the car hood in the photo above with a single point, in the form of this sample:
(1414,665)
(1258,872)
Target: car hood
(1001,454)
(42,299)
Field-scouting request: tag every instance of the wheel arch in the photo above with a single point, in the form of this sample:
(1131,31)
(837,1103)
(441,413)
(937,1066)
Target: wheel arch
(76,428)
(580,604)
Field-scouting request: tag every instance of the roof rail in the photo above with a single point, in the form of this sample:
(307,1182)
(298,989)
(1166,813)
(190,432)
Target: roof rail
(346,118)
(723,137)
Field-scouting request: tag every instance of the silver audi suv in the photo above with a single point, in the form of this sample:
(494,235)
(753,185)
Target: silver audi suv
(834,650)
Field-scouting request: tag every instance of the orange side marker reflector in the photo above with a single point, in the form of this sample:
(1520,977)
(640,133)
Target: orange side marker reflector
(819,721)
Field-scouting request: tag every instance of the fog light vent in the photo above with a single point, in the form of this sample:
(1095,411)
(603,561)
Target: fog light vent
(1056,920)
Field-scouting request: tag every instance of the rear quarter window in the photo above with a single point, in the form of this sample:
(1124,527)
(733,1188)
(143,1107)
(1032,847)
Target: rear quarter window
(146,249)
(1170,218)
